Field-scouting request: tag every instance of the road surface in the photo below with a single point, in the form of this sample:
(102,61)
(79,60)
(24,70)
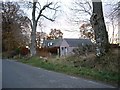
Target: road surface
(18,75)
(0,73)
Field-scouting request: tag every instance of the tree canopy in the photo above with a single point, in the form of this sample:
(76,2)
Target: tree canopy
(15,26)
(55,34)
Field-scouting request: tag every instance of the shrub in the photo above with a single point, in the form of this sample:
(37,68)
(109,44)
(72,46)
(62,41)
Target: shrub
(24,51)
(83,50)
(9,54)
(17,50)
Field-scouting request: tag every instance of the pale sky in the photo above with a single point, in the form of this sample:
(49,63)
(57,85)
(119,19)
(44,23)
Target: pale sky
(62,22)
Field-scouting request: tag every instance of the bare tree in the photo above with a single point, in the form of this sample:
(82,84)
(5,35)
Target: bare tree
(113,21)
(96,20)
(80,9)
(82,12)
(98,24)
(116,9)
(37,8)
(112,16)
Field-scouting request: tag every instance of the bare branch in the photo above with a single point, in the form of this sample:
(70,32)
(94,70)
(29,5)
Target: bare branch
(90,7)
(81,8)
(71,30)
(115,10)
(84,10)
(47,18)
(39,4)
(54,8)
(44,7)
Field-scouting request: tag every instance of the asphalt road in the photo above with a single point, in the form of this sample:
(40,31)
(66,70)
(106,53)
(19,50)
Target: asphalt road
(0,73)
(18,75)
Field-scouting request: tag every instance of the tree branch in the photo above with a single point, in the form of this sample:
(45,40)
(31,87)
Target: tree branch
(47,18)
(44,7)
(39,5)
(54,8)
(33,12)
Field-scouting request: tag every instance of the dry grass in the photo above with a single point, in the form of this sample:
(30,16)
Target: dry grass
(87,66)
(103,69)
(108,62)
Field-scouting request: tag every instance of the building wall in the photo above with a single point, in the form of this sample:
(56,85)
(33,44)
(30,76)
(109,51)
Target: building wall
(64,48)
(64,44)
(70,50)
(64,51)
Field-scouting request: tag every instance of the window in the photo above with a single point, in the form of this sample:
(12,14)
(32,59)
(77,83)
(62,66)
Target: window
(51,43)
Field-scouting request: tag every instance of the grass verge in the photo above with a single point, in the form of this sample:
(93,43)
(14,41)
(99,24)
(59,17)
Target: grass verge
(102,75)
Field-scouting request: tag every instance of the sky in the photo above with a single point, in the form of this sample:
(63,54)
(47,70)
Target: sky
(62,22)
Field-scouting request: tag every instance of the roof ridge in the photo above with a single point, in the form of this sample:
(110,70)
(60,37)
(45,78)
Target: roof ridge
(77,38)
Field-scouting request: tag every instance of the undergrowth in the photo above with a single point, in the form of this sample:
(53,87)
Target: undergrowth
(103,69)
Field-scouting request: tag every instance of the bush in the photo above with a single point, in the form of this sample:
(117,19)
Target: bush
(109,62)
(16,53)
(83,50)
(17,50)
(9,54)
(24,51)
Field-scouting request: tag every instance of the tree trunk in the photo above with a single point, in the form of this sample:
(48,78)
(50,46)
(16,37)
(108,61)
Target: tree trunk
(33,33)
(35,21)
(33,40)
(119,25)
(113,30)
(98,24)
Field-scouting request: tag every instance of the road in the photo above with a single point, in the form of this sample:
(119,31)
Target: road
(18,75)
(0,73)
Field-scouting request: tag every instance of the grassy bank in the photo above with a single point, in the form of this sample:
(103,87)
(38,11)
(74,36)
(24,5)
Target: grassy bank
(62,65)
